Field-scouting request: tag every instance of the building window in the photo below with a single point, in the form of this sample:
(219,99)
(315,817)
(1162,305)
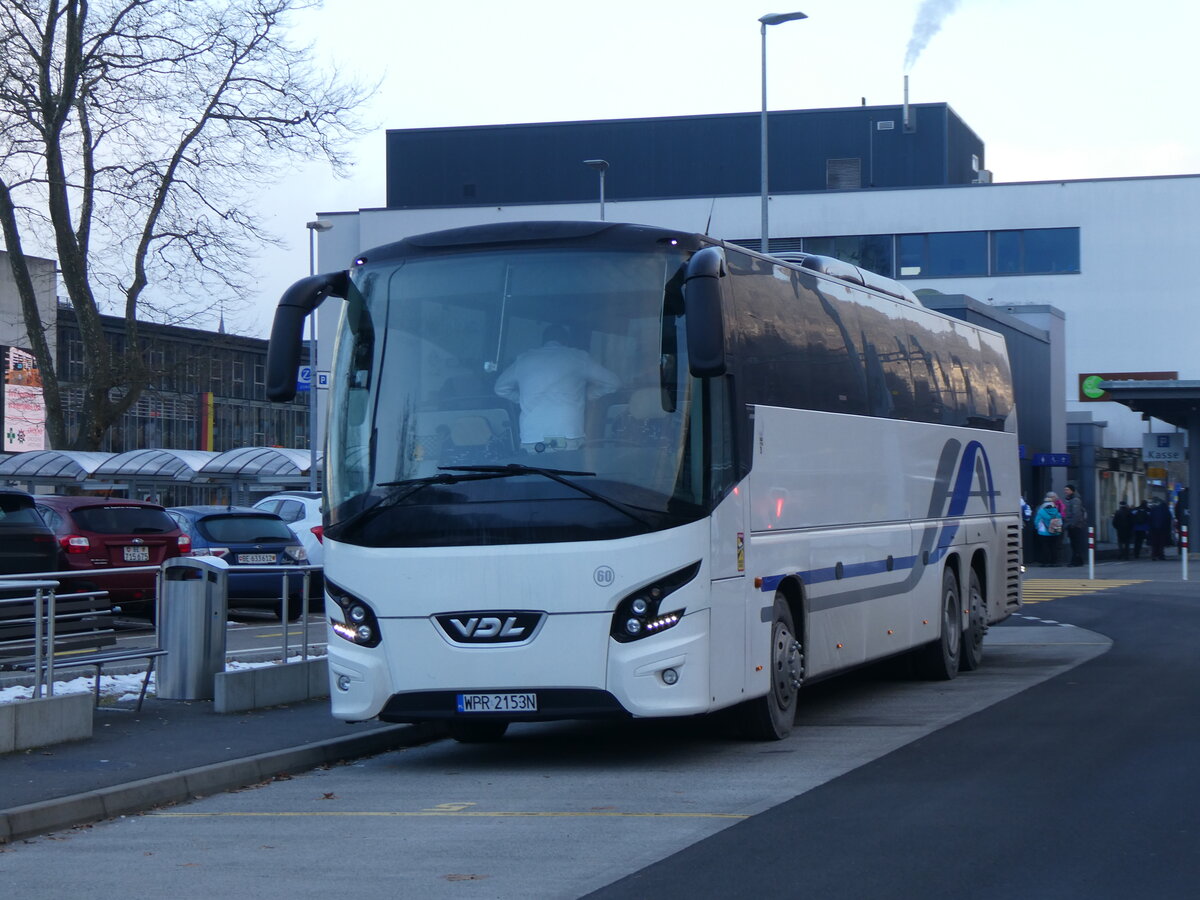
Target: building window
(869,251)
(1035,251)
(943,254)
(75,358)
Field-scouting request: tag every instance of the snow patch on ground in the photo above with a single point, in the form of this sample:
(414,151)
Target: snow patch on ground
(118,687)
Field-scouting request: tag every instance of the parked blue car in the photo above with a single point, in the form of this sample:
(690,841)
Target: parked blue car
(242,536)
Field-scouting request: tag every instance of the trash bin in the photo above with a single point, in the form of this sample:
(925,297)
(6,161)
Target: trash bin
(192,613)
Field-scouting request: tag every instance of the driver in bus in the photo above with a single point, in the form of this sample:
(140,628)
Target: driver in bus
(552,385)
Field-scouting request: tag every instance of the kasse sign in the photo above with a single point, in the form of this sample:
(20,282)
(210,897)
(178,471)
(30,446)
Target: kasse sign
(1167,447)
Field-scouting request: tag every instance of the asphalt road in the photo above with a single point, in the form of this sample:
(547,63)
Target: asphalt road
(556,809)
(1084,786)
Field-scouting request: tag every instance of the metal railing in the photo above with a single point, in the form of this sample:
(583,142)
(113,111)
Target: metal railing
(306,572)
(42,620)
(44,593)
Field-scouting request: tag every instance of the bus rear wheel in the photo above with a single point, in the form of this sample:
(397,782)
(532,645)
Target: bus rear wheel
(938,660)
(972,644)
(475,732)
(770,717)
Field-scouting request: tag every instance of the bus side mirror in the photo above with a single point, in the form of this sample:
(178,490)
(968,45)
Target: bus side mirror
(704,315)
(287,331)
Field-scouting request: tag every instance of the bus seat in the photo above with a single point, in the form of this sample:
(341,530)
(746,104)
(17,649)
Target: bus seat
(471,431)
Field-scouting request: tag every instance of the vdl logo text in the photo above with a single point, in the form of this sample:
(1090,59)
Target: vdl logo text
(489,627)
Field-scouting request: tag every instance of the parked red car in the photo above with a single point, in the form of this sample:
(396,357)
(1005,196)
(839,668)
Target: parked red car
(97,534)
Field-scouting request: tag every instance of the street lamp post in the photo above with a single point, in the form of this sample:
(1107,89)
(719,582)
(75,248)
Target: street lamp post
(601,166)
(769,19)
(313,227)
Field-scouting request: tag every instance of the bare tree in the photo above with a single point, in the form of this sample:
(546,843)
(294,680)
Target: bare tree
(131,134)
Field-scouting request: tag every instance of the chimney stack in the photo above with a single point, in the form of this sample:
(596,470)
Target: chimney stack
(907,120)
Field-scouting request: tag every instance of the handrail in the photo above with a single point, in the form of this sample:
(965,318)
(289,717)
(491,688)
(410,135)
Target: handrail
(43,619)
(45,595)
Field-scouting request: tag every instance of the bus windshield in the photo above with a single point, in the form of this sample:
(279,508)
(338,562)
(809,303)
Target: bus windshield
(460,375)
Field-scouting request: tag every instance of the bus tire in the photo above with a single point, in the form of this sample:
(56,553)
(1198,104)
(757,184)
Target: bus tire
(770,717)
(477,732)
(972,643)
(938,660)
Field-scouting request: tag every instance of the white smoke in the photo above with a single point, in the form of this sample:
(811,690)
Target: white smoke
(929,22)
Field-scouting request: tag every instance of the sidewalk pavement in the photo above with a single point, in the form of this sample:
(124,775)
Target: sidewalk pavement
(174,750)
(1109,565)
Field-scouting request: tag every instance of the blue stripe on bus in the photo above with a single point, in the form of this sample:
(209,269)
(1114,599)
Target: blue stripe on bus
(959,497)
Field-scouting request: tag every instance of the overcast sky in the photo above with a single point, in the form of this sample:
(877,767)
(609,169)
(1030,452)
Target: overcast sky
(1056,89)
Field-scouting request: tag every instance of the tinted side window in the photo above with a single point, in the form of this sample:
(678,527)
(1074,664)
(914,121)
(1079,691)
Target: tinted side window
(183,523)
(52,519)
(800,343)
(290,510)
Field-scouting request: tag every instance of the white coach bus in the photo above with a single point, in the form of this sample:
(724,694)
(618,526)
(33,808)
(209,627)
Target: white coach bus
(789,468)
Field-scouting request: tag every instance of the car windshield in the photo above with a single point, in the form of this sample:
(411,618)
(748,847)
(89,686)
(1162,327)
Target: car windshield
(123,520)
(245,529)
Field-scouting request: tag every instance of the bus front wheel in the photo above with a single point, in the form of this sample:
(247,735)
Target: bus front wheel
(770,717)
(938,660)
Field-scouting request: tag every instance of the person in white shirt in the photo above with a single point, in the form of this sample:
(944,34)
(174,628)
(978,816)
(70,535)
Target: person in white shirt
(552,385)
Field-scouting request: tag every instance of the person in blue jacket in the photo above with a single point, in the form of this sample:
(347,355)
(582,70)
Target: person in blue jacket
(1048,523)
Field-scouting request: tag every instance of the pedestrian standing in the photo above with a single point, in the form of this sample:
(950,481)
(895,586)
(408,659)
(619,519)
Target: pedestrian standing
(1048,524)
(1141,527)
(1122,523)
(1160,529)
(1075,519)
(1061,533)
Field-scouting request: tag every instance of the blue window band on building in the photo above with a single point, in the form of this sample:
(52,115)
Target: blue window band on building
(973,466)
(948,254)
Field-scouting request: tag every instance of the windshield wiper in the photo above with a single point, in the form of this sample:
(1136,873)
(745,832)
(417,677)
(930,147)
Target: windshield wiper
(447,475)
(558,475)
(395,497)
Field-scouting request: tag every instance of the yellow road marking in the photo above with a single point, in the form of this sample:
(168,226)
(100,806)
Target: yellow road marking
(456,814)
(1039,590)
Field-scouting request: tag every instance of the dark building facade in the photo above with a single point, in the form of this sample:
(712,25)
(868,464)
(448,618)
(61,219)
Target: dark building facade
(681,156)
(209,391)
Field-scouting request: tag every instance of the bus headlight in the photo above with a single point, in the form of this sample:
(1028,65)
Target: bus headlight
(641,613)
(357,624)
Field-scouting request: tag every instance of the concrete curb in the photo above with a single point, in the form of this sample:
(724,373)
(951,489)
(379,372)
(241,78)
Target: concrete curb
(177,787)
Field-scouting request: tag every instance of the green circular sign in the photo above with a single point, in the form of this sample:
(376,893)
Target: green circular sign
(1091,387)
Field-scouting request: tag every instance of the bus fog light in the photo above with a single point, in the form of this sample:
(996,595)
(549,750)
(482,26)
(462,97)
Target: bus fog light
(670,676)
(343,682)
(363,632)
(634,626)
